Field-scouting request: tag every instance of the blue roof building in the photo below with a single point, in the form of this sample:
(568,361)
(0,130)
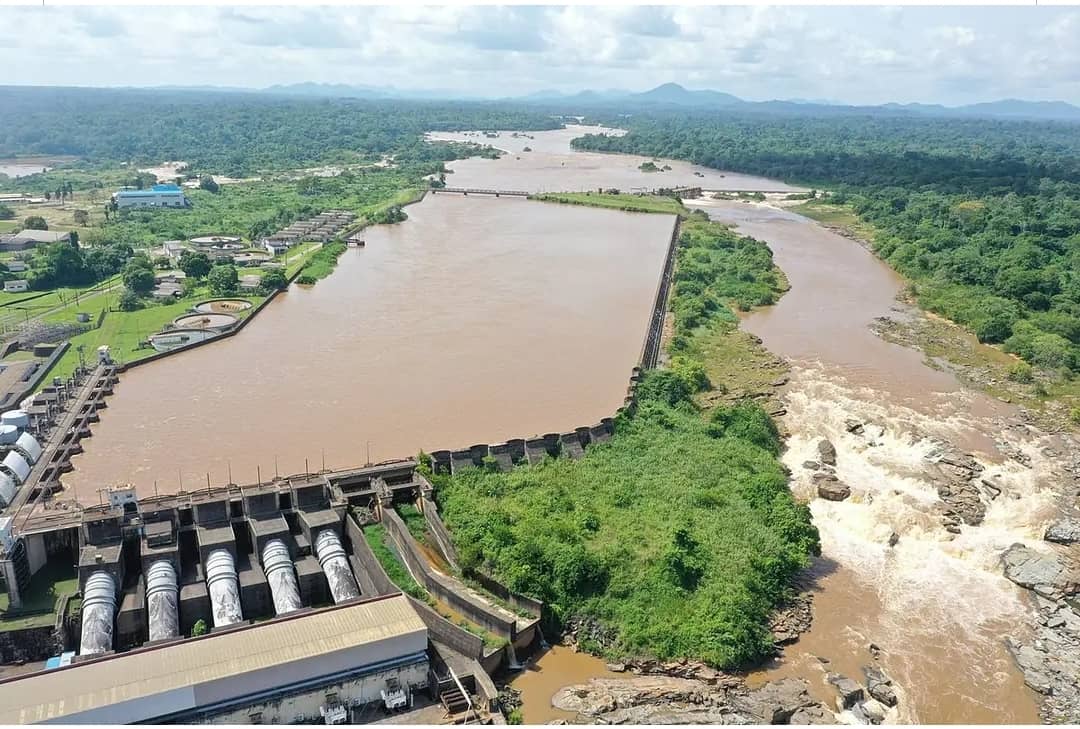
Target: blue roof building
(158,196)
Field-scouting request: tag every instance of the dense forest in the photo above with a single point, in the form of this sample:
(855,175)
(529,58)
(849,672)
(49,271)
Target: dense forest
(680,535)
(234,134)
(983,216)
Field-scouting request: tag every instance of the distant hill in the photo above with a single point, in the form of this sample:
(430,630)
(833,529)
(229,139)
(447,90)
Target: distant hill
(673,95)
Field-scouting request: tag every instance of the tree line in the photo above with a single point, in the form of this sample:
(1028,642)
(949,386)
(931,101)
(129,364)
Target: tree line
(983,216)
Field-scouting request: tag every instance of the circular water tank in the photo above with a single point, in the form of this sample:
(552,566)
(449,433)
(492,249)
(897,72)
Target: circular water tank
(18,418)
(8,434)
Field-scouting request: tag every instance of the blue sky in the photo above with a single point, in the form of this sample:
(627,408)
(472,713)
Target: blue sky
(856,55)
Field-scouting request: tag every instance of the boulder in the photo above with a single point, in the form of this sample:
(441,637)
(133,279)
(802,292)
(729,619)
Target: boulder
(1066,531)
(850,692)
(873,711)
(833,490)
(778,702)
(879,686)
(894,539)
(826,452)
(811,465)
(1046,574)
(853,426)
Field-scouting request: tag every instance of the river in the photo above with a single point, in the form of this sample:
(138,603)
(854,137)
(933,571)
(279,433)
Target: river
(936,603)
(465,324)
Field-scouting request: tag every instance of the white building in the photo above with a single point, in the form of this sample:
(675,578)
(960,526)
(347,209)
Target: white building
(158,196)
(16,286)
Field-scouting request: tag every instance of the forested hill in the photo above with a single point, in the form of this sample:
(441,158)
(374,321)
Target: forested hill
(235,134)
(983,216)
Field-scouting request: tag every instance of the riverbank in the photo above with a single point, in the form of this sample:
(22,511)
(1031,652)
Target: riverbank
(692,471)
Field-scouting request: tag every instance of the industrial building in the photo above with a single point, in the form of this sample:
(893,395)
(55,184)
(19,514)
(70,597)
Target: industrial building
(158,196)
(254,604)
(294,669)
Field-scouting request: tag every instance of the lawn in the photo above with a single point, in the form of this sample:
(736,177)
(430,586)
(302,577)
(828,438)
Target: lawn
(123,331)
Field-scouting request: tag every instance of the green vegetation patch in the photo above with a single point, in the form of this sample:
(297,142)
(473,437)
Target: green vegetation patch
(618,201)
(680,535)
(321,263)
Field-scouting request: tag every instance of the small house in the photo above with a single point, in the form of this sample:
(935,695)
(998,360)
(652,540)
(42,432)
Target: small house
(16,285)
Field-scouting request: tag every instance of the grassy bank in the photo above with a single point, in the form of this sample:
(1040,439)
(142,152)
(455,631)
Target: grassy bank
(680,534)
(625,202)
(321,263)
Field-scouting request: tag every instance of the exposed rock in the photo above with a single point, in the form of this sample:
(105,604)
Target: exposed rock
(671,700)
(826,452)
(616,667)
(1065,531)
(811,465)
(853,426)
(894,539)
(850,691)
(792,619)
(833,490)
(1046,574)
(880,686)
(873,710)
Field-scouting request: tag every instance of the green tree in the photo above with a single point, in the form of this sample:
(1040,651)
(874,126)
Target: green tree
(138,276)
(195,264)
(81,217)
(35,222)
(223,280)
(273,280)
(206,182)
(6,213)
(129,300)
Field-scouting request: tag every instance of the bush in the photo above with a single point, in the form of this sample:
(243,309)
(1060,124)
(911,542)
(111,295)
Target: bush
(35,222)
(129,300)
(1022,372)
(199,628)
(1075,415)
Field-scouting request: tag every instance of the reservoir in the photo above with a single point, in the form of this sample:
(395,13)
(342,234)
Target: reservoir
(478,319)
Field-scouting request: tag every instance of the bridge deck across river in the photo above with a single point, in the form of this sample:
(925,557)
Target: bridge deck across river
(480,191)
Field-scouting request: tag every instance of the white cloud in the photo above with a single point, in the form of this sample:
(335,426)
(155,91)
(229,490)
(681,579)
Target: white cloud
(861,55)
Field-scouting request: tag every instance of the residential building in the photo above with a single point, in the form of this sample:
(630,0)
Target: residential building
(158,196)
(16,286)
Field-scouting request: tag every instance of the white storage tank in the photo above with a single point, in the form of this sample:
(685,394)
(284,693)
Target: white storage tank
(29,447)
(8,434)
(18,418)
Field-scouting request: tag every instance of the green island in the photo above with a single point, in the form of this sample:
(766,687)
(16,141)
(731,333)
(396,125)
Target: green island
(692,478)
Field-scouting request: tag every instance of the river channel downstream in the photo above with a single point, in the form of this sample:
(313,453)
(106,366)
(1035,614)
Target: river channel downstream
(468,324)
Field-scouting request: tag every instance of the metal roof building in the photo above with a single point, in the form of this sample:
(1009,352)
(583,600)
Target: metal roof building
(223,672)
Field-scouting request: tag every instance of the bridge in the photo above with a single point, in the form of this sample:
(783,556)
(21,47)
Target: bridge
(480,191)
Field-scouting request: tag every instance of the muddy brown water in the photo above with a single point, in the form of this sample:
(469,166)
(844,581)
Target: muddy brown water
(477,320)
(552,166)
(936,605)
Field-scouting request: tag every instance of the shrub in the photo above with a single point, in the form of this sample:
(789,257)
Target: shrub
(1022,372)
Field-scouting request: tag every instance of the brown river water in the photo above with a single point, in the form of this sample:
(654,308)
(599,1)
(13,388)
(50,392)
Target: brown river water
(468,323)
(477,320)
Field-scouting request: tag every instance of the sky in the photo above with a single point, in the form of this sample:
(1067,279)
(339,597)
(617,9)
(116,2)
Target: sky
(868,55)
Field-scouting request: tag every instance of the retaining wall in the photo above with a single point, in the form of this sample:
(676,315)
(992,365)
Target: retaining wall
(441,587)
(438,530)
(368,562)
